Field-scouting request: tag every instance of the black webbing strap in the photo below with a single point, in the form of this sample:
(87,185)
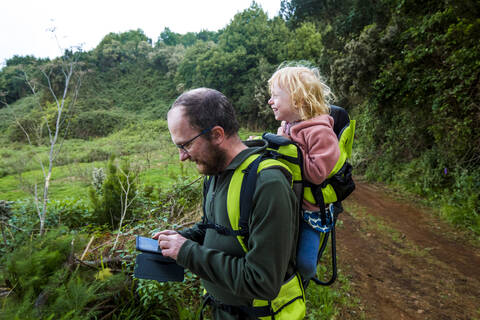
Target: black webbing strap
(246,195)
(243,311)
(318,194)
(251,311)
(222,229)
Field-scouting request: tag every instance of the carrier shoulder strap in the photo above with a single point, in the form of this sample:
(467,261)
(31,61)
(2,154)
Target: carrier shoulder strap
(240,196)
(241,190)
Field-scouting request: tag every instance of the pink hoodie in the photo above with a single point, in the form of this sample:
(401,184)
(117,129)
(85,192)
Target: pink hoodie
(319,146)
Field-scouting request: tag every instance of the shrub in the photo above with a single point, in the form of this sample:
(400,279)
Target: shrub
(183,196)
(73,213)
(30,267)
(46,285)
(96,123)
(462,205)
(177,300)
(95,155)
(108,203)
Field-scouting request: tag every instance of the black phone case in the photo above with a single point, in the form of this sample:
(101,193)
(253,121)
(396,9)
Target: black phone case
(152,265)
(156,267)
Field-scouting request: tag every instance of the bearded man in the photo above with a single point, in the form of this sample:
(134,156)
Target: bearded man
(238,279)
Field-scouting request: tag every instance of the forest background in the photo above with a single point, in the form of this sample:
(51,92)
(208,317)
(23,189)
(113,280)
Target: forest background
(407,71)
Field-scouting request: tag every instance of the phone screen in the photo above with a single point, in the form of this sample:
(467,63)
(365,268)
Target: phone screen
(148,245)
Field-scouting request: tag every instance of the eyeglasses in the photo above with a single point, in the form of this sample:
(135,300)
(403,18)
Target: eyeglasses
(184,146)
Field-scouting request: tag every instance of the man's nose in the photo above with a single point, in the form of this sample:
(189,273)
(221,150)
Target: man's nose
(183,155)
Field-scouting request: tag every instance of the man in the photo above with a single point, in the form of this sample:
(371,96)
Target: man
(202,124)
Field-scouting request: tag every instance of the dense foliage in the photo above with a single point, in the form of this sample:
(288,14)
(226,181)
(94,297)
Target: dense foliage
(46,281)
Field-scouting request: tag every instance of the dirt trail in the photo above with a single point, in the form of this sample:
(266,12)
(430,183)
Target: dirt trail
(403,262)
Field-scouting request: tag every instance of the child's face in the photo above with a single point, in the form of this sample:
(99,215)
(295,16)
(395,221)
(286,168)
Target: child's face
(282,106)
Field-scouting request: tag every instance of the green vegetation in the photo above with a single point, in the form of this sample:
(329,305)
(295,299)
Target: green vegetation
(407,71)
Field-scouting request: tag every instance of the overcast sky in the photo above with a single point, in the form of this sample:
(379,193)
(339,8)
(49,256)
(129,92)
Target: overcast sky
(24,24)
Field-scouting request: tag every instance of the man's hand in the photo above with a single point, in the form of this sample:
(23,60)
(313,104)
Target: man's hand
(170,242)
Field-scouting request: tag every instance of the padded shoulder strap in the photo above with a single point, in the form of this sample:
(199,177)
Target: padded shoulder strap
(340,117)
(246,193)
(241,190)
(346,138)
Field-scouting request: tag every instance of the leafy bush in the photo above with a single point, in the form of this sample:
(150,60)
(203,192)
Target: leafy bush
(96,155)
(179,300)
(32,123)
(109,202)
(73,213)
(45,284)
(24,217)
(97,123)
(182,197)
(462,204)
(30,267)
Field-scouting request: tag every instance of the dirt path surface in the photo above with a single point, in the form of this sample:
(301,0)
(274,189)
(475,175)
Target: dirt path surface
(404,262)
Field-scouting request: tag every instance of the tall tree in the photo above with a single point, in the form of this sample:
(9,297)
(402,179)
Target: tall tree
(116,48)
(54,116)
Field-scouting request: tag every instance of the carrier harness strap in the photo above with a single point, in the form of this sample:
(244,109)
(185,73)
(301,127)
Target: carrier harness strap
(206,185)
(329,219)
(334,249)
(256,312)
(219,228)
(246,196)
(251,311)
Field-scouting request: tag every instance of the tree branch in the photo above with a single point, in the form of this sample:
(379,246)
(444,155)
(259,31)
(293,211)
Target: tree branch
(98,263)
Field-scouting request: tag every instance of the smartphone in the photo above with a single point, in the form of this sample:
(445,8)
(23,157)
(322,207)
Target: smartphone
(145,244)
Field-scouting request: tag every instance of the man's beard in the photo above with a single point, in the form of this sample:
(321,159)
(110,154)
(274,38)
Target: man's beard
(213,163)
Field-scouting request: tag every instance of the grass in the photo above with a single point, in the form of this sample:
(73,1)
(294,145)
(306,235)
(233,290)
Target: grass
(326,302)
(67,181)
(74,180)
(147,146)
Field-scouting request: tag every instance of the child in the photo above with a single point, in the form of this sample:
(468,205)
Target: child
(299,100)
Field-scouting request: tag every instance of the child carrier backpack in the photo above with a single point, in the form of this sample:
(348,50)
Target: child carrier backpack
(327,195)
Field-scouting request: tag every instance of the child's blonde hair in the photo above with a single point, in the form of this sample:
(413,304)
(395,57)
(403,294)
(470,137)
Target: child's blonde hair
(309,94)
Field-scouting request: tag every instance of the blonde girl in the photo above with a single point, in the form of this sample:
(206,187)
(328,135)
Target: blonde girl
(300,100)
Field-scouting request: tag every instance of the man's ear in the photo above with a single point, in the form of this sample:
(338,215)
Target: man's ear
(217,135)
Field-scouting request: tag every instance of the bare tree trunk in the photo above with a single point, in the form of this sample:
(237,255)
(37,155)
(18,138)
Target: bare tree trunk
(54,149)
(64,105)
(125,202)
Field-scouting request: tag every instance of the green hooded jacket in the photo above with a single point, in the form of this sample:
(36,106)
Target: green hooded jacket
(229,274)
